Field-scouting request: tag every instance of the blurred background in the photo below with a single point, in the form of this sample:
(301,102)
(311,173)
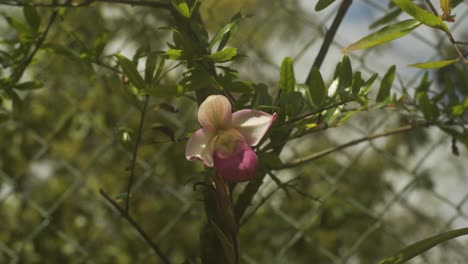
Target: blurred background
(354,206)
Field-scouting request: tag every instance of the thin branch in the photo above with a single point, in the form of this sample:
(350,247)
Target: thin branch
(352,143)
(455,43)
(134,154)
(299,118)
(38,45)
(343,9)
(152,4)
(137,227)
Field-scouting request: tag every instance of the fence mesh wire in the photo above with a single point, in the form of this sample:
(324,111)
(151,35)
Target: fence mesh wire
(355,206)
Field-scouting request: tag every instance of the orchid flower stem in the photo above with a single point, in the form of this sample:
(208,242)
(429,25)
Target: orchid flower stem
(134,154)
(137,227)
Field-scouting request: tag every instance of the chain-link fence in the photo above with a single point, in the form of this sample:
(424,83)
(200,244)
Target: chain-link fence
(357,205)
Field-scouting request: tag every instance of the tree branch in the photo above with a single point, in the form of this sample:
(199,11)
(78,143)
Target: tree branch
(135,225)
(343,9)
(152,4)
(352,143)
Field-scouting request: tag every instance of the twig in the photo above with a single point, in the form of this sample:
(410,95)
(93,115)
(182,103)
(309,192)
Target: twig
(38,45)
(152,4)
(135,225)
(455,43)
(352,143)
(134,154)
(343,9)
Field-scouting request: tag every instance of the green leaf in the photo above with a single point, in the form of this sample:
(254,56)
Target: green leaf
(31,85)
(384,35)
(317,87)
(224,55)
(151,60)
(346,74)
(422,246)
(226,244)
(19,25)
(168,90)
(287,80)
(130,70)
(387,18)
(421,15)
(100,43)
(182,8)
(434,64)
(32,17)
(368,85)
(357,83)
(322,4)
(174,54)
(226,33)
(386,85)
(427,107)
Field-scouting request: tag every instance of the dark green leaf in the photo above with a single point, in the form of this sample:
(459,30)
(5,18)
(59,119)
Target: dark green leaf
(386,85)
(287,79)
(4,117)
(31,85)
(19,25)
(421,15)
(224,55)
(434,64)
(150,67)
(262,97)
(130,70)
(317,87)
(427,107)
(271,160)
(322,4)
(384,35)
(32,17)
(357,83)
(422,246)
(346,74)
(100,43)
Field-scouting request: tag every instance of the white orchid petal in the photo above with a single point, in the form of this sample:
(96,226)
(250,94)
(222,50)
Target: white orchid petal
(215,112)
(200,146)
(252,124)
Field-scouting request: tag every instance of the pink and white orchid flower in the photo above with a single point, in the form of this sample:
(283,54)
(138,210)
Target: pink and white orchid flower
(225,139)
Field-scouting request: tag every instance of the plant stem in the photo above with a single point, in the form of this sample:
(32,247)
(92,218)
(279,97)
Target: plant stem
(342,10)
(135,225)
(352,143)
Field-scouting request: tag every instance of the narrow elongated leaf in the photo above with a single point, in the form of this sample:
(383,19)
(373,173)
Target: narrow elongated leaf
(421,15)
(434,64)
(384,35)
(224,55)
(150,66)
(317,87)
(357,83)
(287,78)
(386,85)
(31,85)
(130,70)
(225,33)
(322,4)
(422,246)
(346,74)
(368,85)
(174,54)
